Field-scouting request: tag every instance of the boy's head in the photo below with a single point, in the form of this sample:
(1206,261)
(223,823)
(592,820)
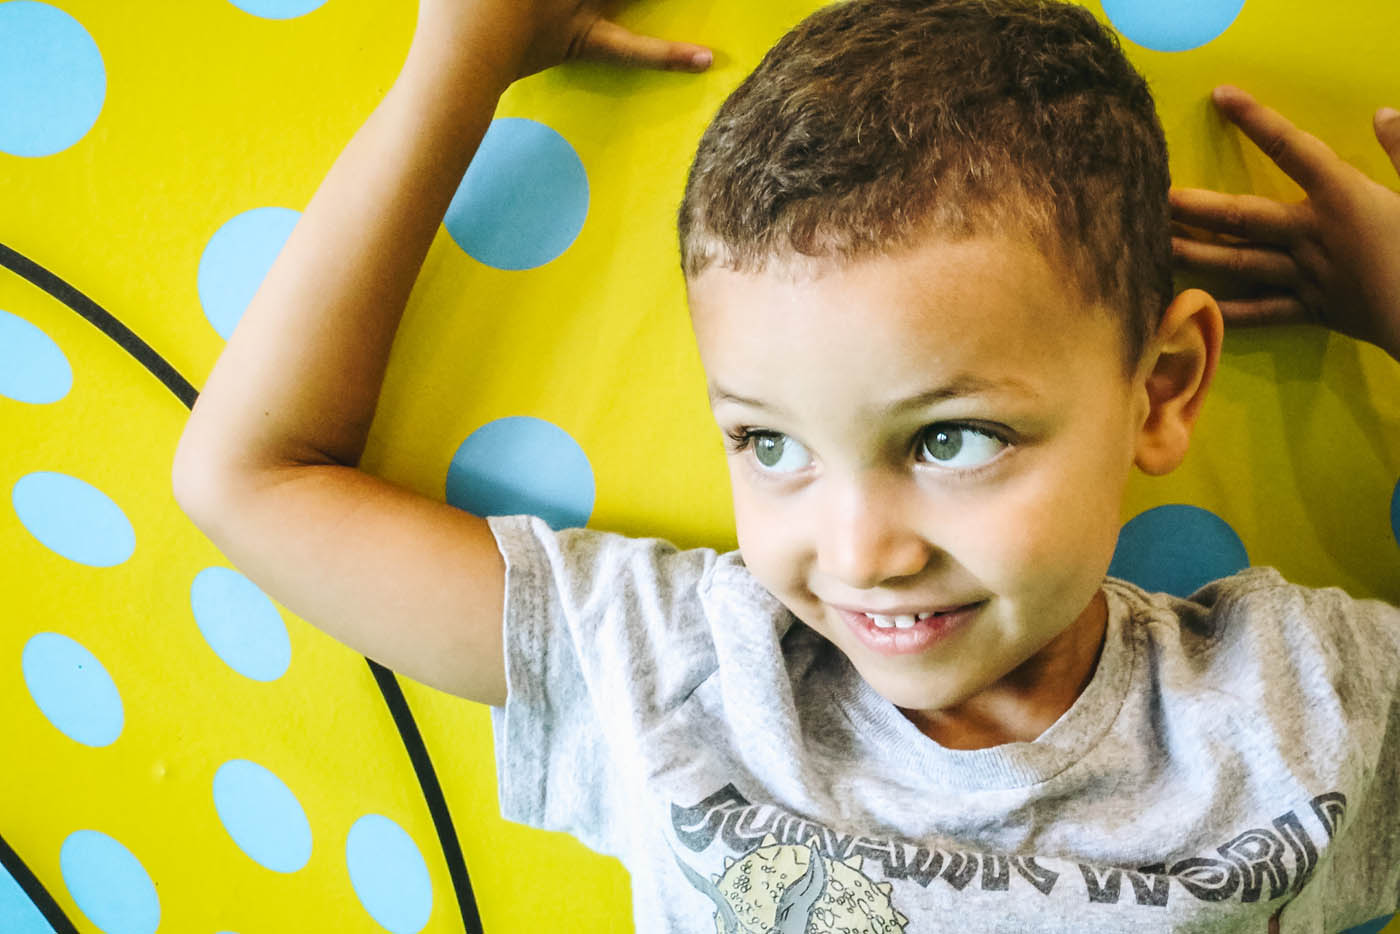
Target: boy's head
(920,243)
(876,122)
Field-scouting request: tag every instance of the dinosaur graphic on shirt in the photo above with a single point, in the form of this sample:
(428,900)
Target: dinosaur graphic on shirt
(780,888)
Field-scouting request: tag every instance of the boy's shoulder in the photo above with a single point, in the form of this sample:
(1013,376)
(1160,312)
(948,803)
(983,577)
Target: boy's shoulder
(604,575)
(1259,615)
(1251,591)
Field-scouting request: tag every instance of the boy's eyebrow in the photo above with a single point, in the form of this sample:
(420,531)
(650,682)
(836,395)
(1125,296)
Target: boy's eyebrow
(718,395)
(963,384)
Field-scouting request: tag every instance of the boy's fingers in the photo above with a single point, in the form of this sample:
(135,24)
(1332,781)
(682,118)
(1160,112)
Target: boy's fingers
(1271,309)
(1306,159)
(1258,265)
(1387,123)
(609,42)
(1248,217)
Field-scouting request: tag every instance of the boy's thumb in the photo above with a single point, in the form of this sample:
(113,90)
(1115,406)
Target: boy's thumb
(1387,123)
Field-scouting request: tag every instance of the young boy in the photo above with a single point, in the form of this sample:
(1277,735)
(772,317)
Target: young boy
(928,250)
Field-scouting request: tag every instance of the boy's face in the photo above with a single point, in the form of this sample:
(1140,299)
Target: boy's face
(944,431)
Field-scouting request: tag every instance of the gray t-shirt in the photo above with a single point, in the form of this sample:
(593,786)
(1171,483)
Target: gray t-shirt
(1234,755)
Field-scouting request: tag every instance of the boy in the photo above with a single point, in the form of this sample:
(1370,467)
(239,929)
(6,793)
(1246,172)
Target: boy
(927,251)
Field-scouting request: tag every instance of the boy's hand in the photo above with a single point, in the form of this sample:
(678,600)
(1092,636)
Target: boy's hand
(538,34)
(1332,259)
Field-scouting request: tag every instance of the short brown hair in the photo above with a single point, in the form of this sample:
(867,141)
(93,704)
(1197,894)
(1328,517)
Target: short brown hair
(876,121)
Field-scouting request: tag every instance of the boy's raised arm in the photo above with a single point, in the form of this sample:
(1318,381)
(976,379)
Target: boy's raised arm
(267,463)
(1332,259)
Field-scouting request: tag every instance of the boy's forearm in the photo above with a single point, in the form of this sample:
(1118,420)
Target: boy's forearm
(300,377)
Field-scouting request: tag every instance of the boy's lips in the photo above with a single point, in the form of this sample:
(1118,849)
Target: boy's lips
(908,609)
(905,630)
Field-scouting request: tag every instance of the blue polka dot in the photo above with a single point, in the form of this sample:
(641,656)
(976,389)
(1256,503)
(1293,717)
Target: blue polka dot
(240,624)
(522,466)
(524,198)
(278,9)
(32,368)
(389,875)
(72,689)
(52,80)
(109,884)
(1175,26)
(17,913)
(74,519)
(236,261)
(262,816)
(1177,549)
(1374,926)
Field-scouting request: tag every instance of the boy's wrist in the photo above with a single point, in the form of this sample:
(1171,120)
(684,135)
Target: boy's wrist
(469,41)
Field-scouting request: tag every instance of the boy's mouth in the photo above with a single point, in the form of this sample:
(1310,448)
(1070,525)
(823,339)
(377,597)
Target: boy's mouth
(903,633)
(904,620)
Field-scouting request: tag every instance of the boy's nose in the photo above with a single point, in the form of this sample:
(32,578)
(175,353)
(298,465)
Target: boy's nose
(869,536)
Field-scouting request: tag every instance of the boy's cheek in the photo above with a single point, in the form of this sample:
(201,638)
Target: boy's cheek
(1047,531)
(766,539)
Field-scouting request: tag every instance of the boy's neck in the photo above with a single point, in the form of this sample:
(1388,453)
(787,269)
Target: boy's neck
(1024,704)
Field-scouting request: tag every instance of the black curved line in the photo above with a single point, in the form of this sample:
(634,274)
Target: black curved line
(432,791)
(388,685)
(31,886)
(94,314)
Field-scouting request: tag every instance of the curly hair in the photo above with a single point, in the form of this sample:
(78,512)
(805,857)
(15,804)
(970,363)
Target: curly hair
(875,122)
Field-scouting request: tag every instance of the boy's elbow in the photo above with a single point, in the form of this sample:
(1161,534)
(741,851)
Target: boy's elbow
(202,482)
(193,482)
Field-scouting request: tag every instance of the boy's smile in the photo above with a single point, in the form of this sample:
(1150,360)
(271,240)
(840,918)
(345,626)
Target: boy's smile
(946,430)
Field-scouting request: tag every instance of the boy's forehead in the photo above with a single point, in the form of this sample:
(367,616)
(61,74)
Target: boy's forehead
(934,257)
(933,285)
(945,318)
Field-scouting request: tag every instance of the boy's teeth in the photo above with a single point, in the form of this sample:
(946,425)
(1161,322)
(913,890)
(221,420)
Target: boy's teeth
(905,621)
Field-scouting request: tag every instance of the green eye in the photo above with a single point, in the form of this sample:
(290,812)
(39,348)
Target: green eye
(944,444)
(779,453)
(959,446)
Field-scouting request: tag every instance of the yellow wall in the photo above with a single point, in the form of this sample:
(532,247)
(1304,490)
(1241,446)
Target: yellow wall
(207,112)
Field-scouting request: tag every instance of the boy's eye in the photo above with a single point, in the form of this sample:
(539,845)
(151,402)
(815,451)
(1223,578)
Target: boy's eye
(959,446)
(779,453)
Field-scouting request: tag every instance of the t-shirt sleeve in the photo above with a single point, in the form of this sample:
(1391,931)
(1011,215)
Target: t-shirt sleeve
(604,636)
(1332,670)
(1365,869)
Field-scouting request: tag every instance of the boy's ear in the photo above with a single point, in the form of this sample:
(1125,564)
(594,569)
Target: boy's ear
(1175,373)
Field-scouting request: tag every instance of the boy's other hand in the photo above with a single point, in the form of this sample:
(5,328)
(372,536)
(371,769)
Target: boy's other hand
(538,34)
(1332,259)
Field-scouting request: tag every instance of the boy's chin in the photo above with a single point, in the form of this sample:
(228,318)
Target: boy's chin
(918,696)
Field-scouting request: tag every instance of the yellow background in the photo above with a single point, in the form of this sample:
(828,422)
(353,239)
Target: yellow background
(211,112)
